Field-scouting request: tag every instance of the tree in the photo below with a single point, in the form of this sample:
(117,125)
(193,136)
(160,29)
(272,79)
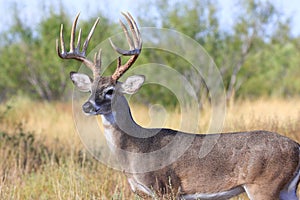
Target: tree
(29,62)
(253,30)
(256,56)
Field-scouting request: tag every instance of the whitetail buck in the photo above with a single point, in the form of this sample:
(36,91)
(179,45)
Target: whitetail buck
(263,164)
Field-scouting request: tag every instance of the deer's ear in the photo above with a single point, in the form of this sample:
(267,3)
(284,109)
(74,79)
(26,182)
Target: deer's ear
(82,81)
(132,84)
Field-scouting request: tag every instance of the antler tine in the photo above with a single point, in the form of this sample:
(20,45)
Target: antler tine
(125,30)
(134,42)
(62,42)
(86,42)
(79,40)
(132,26)
(138,34)
(73,33)
(75,53)
(97,61)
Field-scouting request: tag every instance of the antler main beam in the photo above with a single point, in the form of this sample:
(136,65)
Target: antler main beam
(135,45)
(75,52)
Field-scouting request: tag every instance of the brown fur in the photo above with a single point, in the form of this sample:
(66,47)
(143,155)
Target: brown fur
(262,162)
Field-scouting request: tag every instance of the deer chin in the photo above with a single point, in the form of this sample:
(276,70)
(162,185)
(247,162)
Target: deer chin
(97,112)
(90,113)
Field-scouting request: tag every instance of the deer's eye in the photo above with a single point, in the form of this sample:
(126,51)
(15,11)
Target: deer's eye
(109,93)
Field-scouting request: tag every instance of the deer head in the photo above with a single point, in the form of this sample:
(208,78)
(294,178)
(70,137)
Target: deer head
(103,89)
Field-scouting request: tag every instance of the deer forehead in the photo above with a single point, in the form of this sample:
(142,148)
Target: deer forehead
(102,83)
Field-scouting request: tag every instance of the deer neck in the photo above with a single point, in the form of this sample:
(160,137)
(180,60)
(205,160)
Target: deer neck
(119,122)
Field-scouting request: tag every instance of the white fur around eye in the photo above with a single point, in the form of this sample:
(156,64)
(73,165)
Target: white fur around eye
(109,92)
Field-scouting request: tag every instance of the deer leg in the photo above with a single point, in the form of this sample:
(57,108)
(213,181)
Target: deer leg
(290,191)
(262,192)
(288,195)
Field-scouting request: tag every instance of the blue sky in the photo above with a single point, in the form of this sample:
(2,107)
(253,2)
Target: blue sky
(31,10)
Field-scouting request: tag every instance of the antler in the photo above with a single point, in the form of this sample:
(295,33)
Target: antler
(135,44)
(75,53)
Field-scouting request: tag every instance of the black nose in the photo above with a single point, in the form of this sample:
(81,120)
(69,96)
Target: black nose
(88,107)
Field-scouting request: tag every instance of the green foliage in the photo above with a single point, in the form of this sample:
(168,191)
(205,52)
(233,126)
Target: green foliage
(278,76)
(29,62)
(257,55)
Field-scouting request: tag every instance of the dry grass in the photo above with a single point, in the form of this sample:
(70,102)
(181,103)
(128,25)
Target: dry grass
(43,158)
(282,116)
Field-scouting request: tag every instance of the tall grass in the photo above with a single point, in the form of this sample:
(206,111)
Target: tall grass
(42,156)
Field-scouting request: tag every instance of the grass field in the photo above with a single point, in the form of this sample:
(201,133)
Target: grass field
(42,156)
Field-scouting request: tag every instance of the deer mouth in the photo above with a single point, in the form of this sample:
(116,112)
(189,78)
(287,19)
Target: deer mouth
(101,112)
(96,112)
(90,108)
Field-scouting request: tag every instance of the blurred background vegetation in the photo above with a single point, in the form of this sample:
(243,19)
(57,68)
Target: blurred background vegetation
(257,56)
(43,157)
